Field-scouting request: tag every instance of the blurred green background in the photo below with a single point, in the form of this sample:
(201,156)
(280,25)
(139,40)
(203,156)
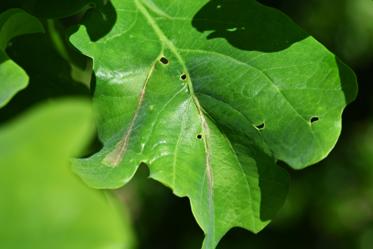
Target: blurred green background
(330,205)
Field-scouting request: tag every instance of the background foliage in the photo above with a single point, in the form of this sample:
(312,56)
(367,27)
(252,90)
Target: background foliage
(330,205)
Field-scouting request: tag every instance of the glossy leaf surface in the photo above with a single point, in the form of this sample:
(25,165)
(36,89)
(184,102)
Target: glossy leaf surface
(210,95)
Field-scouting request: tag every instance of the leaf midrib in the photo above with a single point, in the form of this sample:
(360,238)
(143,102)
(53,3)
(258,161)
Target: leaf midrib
(205,128)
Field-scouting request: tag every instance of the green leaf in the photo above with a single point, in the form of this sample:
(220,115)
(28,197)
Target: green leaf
(210,95)
(13,80)
(13,23)
(43,205)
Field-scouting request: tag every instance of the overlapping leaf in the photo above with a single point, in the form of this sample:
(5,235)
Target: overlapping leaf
(42,204)
(210,94)
(13,23)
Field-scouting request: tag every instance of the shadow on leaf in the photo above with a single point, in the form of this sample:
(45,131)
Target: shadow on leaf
(247,25)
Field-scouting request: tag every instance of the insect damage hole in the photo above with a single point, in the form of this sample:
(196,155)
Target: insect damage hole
(183,76)
(164,60)
(260,127)
(314,119)
(199,136)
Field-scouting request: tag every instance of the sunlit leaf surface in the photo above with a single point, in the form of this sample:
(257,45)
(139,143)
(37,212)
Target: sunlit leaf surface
(210,95)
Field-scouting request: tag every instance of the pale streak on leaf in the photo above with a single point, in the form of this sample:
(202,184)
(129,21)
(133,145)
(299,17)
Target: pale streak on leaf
(116,156)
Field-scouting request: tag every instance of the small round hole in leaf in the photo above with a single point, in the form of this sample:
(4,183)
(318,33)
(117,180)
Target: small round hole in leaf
(260,126)
(183,76)
(164,60)
(314,119)
(199,136)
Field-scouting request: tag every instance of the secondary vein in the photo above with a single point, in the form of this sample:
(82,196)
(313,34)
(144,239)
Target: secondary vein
(116,156)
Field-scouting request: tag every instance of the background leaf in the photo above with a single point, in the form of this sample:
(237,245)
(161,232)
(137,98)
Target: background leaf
(13,23)
(210,102)
(42,204)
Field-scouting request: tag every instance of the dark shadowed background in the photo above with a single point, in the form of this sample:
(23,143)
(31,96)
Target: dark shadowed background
(330,205)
